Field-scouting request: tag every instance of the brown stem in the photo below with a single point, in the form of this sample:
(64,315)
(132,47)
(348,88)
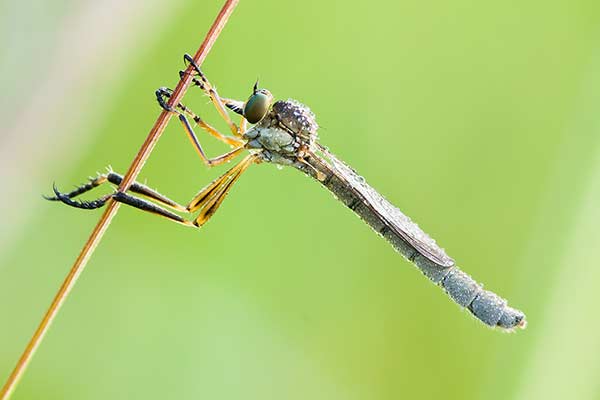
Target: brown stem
(113,206)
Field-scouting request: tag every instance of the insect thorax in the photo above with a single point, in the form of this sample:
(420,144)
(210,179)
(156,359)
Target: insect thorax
(285,133)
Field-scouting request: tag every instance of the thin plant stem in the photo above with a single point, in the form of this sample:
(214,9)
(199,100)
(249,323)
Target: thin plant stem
(113,206)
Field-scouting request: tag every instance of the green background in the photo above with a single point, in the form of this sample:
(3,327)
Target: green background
(480,120)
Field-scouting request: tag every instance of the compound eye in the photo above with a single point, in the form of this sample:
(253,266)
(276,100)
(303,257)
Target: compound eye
(257,105)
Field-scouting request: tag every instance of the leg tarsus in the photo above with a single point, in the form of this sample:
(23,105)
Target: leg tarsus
(86,187)
(86,205)
(122,198)
(161,94)
(115,179)
(207,201)
(187,59)
(195,80)
(190,60)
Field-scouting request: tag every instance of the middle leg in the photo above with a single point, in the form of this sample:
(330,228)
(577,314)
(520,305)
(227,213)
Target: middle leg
(182,110)
(211,91)
(164,93)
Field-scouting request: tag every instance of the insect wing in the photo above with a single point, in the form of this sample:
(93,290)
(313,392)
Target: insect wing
(392,216)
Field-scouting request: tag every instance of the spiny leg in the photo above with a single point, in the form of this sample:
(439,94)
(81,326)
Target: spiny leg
(164,93)
(210,198)
(237,106)
(150,207)
(160,93)
(86,187)
(211,162)
(85,205)
(115,179)
(133,201)
(145,191)
(219,104)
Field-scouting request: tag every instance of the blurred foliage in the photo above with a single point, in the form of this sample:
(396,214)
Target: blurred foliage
(478,119)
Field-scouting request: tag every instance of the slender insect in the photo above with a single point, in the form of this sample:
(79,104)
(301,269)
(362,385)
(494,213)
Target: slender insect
(285,133)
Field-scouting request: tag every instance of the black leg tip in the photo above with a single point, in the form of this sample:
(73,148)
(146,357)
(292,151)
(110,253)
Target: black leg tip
(189,59)
(86,205)
(56,191)
(161,94)
(52,198)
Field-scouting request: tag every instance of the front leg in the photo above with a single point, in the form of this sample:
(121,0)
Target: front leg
(217,101)
(164,93)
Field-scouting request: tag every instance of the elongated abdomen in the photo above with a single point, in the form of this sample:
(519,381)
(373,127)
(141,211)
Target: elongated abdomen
(410,241)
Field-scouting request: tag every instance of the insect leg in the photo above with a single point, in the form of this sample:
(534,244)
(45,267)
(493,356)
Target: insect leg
(150,207)
(163,93)
(206,86)
(211,162)
(85,205)
(145,191)
(125,198)
(86,187)
(243,125)
(237,106)
(207,201)
(210,198)
(115,179)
